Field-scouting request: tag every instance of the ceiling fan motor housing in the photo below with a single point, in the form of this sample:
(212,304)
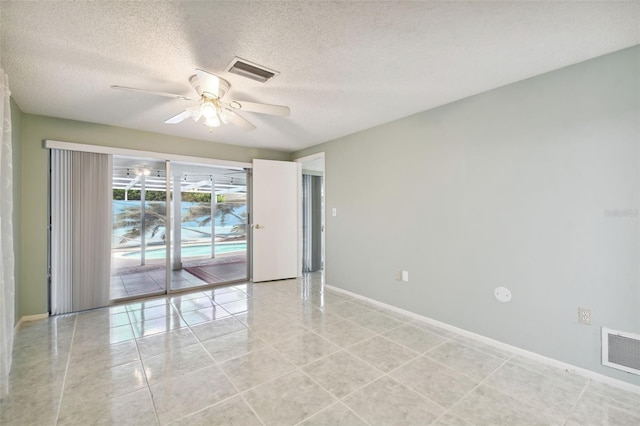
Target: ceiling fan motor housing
(223,87)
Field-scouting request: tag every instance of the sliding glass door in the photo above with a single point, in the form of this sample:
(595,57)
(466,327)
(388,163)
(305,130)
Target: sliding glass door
(208,226)
(164,227)
(139,235)
(209,215)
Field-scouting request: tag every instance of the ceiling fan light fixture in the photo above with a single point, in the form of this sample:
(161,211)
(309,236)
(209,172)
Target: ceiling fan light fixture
(208,110)
(212,121)
(212,108)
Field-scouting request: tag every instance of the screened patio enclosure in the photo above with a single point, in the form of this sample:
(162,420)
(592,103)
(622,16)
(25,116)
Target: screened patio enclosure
(205,220)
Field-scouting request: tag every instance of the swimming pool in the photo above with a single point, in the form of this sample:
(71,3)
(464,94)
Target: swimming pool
(190,251)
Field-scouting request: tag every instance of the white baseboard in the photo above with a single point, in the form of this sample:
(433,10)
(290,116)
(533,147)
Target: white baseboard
(630,387)
(28,318)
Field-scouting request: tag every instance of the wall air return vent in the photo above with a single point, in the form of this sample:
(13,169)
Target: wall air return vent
(250,70)
(621,350)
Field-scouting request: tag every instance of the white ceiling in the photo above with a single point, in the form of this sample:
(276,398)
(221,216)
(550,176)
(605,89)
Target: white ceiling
(345,66)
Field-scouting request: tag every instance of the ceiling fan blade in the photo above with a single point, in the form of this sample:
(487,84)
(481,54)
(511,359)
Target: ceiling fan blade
(209,83)
(152,92)
(239,121)
(280,110)
(179,117)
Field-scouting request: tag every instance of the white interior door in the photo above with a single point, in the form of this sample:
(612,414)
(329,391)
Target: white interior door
(275,220)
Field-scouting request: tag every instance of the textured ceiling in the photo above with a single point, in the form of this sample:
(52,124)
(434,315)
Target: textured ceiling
(344,66)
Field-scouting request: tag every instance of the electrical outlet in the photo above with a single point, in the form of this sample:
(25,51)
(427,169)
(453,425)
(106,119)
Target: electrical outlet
(401,275)
(584,316)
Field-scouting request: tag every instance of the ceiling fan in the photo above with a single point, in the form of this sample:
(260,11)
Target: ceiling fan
(212,109)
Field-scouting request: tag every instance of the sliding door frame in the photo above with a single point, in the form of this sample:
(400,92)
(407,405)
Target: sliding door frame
(167,158)
(98,149)
(167,233)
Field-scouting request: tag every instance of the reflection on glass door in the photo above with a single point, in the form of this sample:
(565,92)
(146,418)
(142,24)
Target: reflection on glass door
(208,225)
(209,215)
(138,255)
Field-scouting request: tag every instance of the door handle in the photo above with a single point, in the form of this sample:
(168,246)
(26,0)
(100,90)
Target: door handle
(258,226)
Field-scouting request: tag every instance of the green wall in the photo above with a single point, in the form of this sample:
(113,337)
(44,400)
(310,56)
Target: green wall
(35,129)
(533,186)
(16,148)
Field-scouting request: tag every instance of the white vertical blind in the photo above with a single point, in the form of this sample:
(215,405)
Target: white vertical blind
(7,279)
(80,230)
(61,229)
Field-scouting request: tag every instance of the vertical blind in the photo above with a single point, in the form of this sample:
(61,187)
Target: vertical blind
(80,230)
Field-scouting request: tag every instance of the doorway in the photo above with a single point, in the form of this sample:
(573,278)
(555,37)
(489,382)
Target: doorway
(312,212)
(207,226)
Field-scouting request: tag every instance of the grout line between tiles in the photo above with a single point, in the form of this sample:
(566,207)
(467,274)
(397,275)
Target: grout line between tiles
(544,409)
(377,369)
(570,413)
(317,413)
(144,371)
(66,369)
(217,364)
(337,401)
(293,314)
(474,389)
(482,382)
(250,407)
(462,373)
(551,376)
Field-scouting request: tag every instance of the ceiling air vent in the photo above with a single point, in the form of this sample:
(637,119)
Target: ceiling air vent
(251,70)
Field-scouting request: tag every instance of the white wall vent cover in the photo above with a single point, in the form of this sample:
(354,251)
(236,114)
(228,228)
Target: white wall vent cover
(621,350)
(250,70)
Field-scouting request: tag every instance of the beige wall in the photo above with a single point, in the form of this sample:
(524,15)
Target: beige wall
(35,129)
(516,187)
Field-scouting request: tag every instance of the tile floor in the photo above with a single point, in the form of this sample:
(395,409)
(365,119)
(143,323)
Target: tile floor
(284,353)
